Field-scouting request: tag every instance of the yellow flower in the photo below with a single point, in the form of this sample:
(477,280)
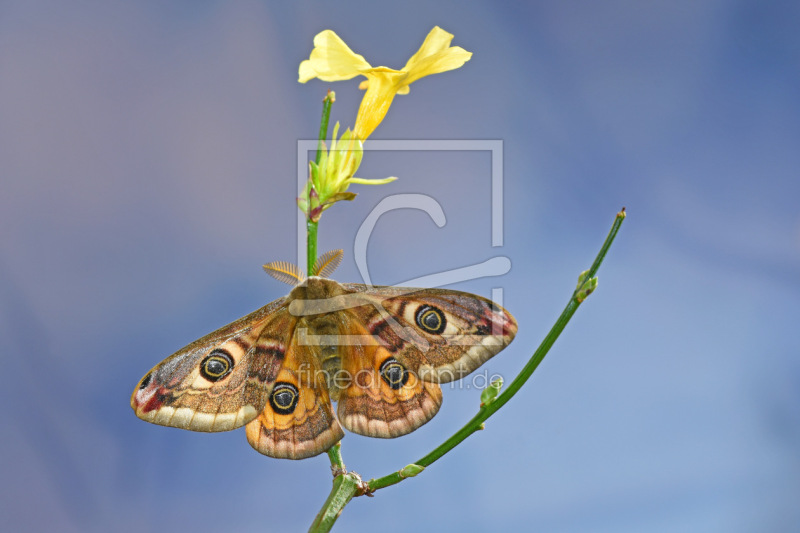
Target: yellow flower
(332,60)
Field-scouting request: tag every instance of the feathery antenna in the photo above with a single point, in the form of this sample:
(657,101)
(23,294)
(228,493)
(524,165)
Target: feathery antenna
(327,263)
(284,272)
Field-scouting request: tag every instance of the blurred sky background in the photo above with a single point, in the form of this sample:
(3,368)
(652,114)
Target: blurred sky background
(148,163)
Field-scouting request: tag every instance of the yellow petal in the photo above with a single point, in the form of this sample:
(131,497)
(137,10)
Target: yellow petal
(404,89)
(363,181)
(331,60)
(436,41)
(449,59)
(383,84)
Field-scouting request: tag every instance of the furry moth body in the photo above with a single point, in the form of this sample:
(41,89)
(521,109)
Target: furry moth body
(378,352)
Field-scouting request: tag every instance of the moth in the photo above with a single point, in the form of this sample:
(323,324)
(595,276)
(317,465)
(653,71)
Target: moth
(379,352)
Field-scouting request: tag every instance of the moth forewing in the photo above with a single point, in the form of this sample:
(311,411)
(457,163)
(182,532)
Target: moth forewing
(216,383)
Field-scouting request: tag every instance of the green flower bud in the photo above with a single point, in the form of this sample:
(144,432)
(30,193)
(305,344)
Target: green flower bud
(411,470)
(490,393)
(585,286)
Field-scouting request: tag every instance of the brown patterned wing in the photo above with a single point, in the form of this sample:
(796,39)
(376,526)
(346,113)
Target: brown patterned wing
(297,421)
(439,335)
(219,382)
(381,398)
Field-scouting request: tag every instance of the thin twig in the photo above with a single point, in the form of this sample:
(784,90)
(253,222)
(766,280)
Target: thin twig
(347,485)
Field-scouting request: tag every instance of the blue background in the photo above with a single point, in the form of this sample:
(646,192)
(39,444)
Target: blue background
(148,167)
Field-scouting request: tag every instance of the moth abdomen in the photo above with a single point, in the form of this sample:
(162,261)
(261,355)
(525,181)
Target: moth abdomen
(331,367)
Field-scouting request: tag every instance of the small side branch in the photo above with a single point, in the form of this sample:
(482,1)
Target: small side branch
(346,485)
(487,410)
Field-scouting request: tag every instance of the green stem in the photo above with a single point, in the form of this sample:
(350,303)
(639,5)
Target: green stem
(313,225)
(612,234)
(335,455)
(323,123)
(344,488)
(311,245)
(486,411)
(347,485)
